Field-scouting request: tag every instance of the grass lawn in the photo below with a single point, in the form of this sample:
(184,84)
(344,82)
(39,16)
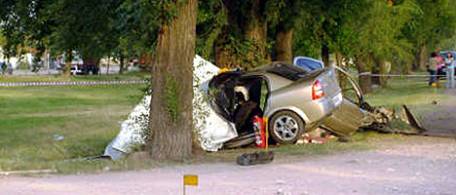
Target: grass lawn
(88,118)
(415,93)
(42,78)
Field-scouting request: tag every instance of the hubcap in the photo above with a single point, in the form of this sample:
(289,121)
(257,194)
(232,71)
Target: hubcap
(286,128)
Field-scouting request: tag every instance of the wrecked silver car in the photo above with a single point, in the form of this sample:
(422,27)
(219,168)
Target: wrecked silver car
(355,113)
(296,100)
(293,99)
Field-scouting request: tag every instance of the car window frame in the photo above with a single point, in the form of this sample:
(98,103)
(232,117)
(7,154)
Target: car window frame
(355,85)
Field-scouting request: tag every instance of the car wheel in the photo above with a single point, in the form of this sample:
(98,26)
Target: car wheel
(286,127)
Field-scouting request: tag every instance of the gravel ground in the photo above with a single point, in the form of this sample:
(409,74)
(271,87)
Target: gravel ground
(413,165)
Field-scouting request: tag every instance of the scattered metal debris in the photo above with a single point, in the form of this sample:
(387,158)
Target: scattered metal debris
(57,137)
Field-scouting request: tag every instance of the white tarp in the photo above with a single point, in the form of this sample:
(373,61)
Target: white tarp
(212,130)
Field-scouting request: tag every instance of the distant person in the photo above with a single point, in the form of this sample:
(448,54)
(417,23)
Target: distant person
(432,69)
(450,65)
(440,67)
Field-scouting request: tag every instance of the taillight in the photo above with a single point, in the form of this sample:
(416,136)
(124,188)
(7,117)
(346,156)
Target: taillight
(317,90)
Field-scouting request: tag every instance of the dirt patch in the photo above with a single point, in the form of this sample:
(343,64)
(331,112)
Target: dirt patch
(441,120)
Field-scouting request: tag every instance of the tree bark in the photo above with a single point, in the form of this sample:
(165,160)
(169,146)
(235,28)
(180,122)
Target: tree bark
(340,63)
(109,63)
(325,54)
(423,57)
(384,70)
(225,57)
(171,122)
(339,59)
(68,60)
(255,30)
(122,64)
(365,81)
(375,70)
(249,28)
(284,44)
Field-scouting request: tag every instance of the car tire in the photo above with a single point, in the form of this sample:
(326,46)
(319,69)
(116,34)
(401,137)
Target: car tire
(286,127)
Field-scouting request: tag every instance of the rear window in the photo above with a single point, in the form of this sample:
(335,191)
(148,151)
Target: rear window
(287,71)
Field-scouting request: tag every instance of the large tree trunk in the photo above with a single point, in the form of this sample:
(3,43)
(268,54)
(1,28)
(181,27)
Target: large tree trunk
(421,57)
(376,63)
(171,121)
(255,30)
(385,68)
(325,54)
(122,64)
(226,57)
(109,64)
(339,59)
(381,67)
(284,44)
(68,60)
(340,63)
(249,28)
(225,54)
(365,81)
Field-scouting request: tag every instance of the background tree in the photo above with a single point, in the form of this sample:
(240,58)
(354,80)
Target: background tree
(376,38)
(432,25)
(243,40)
(83,26)
(283,18)
(23,25)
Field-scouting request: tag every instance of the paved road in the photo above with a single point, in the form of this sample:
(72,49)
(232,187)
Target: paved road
(419,165)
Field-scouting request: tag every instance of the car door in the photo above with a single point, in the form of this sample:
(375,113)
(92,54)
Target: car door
(348,117)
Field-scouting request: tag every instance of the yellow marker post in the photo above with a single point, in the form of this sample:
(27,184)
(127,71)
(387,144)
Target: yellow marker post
(190,180)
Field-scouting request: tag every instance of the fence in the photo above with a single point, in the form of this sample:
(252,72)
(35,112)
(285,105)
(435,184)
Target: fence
(70,83)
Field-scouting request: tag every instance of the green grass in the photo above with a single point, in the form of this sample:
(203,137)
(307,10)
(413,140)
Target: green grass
(415,93)
(87,117)
(42,78)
